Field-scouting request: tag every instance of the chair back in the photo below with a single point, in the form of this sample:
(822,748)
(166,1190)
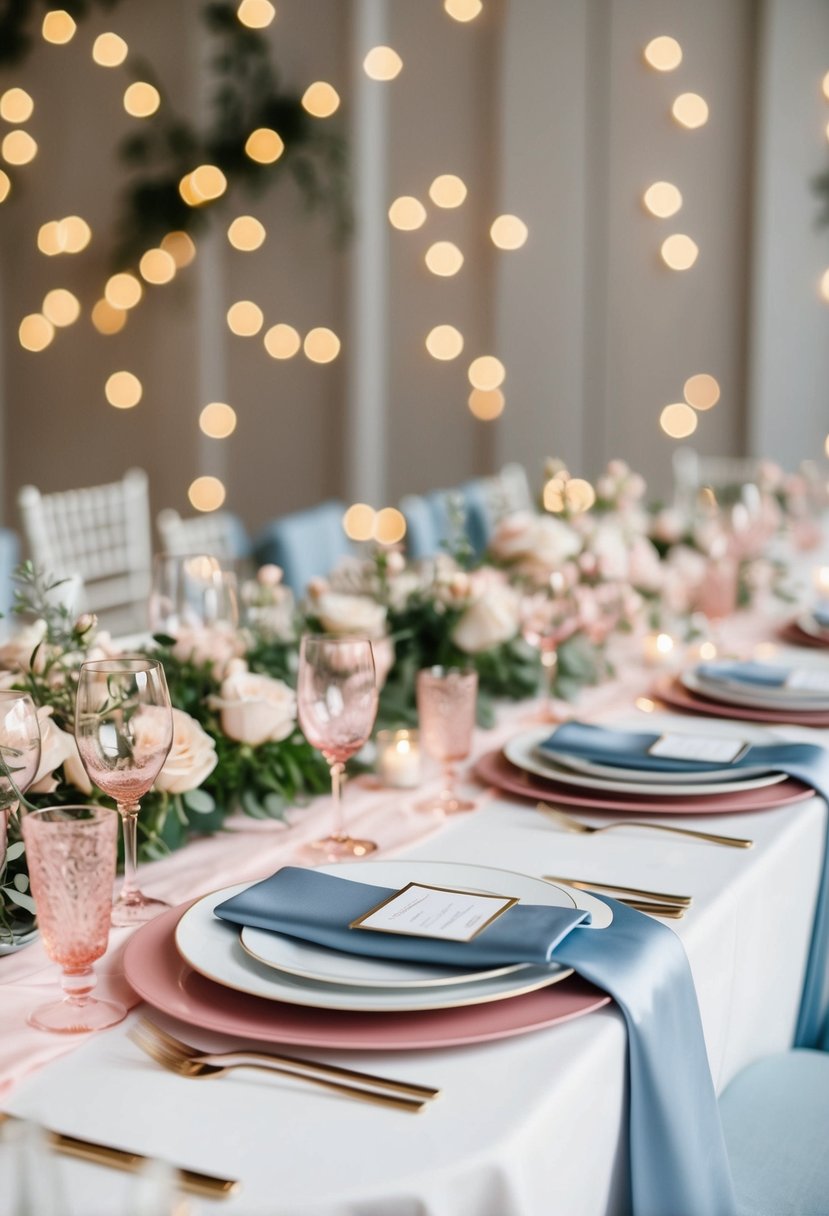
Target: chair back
(220,534)
(9,560)
(307,544)
(100,534)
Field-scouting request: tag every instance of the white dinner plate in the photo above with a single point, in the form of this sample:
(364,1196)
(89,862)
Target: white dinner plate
(522,752)
(733,693)
(323,966)
(809,625)
(650,776)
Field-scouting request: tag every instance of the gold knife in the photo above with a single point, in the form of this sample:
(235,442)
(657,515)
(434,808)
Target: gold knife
(679,901)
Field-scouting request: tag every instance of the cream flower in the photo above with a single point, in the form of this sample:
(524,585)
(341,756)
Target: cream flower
(216,646)
(192,755)
(351,614)
(57,747)
(489,621)
(537,542)
(16,653)
(256,709)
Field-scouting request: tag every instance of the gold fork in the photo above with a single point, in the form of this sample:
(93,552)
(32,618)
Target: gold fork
(576,825)
(187,1061)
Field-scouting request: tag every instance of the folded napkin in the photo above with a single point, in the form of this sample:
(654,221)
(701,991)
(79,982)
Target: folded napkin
(760,675)
(807,762)
(821,614)
(678,1162)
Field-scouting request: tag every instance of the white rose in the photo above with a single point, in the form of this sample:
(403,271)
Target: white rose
(488,622)
(256,709)
(644,566)
(610,548)
(216,646)
(513,536)
(192,755)
(351,614)
(383,649)
(16,653)
(57,747)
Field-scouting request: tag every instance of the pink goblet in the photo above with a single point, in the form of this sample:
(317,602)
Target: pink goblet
(548,618)
(72,852)
(446,699)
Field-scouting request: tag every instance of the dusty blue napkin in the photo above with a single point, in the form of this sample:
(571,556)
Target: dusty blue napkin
(821,614)
(760,675)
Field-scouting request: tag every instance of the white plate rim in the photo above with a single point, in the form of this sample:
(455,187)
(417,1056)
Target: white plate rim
(767,698)
(605,770)
(809,625)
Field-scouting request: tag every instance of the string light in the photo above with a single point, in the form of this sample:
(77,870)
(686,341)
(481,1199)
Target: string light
(701,391)
(508,232)
(486,372)
(180,248)
(141,99)
(245,319)
(382,63)
(389,526)
(662,199)
(358,521)
(444,258)
(123,390)
(157,266)
(463,10)
(206,493)
(444,342)
(678,421)
(282,341)
(679,251)
(447,190)
(123,291)
(74,234)
(35,332)
(218,420)
(246,233)
(486,404)
(321,99)
(256,14)
(61,307)
(58,27)
(106,319)
(321,345)
(690,110)
(16,105)
(407,213)
(109,51)
(208,182)
(264,146)
(18,147)
(185,189)
(5,186)
(663,53)
(572,494)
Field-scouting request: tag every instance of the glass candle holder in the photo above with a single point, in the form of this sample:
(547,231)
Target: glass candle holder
(398,758)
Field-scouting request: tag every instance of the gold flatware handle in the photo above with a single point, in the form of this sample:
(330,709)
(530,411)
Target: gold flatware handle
(678,901)
(647,905)
(310,1069)
(734,842)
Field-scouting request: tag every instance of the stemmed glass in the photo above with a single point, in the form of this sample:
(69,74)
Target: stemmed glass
(19,754)
(124,730)
(548,618)
(337,705)
(193,591)
(72,853)
(446,700)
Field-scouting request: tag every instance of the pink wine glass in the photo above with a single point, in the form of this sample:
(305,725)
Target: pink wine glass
(72,853)
(446,700)
(337,705)
(548,618)
(124,730)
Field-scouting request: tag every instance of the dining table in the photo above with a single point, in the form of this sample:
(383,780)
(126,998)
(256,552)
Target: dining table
(531,1124)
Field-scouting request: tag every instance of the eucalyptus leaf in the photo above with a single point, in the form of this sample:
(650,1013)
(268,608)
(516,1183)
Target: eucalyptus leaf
(15,850)
(200,802)
(21,882)
(22,901)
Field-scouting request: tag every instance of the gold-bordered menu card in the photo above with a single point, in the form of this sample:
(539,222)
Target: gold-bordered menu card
(419,910)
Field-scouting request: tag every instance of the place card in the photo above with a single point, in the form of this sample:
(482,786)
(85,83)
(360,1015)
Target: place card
(704,748)
(418,910)
(808,679)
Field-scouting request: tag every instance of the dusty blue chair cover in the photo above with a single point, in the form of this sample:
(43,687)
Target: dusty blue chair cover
(9,561)
(307,544)
(775,1116)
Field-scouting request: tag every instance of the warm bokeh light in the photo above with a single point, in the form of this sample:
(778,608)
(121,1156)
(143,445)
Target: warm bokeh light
(218,420)
(447,190)
(246,233)
(407,213)
(282,341)
(264,146)
(662,199)
(256,14)
(35,332)
(463,10)
(123,291)
(444,258)
(825,86)
(486,404)
(58,27)
(185,189)
(508,232)
(108,320)
(157,266)
(61,307)
(74,234)
(579,495)
(141,99)
(679,251)
(5,186)
(444,342)
(553,494)
(358,521)
(109,51)
(382,63)
(690,110)
(208,182)
(321,99)
(702,391)
(180,248)
(16,105)
(486,372)
(50,238)
(663,53)
(826,446)
(244,318)
(206,493)
(678,421)
(321,345)
(123,390)
(389,526)
(18,147)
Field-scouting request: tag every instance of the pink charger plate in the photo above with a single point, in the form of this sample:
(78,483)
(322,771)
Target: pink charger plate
(796,636)
(678,696)
(494,769)
(160,976)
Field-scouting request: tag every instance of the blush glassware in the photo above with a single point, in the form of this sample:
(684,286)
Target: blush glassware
(124,731)
(72,853)
(19,754)
(446,702)
(192,592)
(336,706)
(548,618)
